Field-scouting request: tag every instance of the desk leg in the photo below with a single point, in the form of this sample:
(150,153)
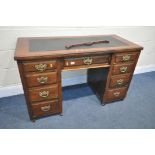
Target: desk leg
(33,120)
(103,104)
(61,114)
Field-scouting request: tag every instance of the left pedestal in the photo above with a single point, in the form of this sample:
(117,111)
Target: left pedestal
(41,80)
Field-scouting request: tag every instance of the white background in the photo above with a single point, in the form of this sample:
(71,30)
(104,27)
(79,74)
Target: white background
(77,13)
(142,35)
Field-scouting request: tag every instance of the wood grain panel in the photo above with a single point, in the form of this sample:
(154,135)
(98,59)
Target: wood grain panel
(52,93)
(125,57)
(79,61)
(45,108)
(31,66)
(115,94)
(39,79)
(119,80)
(123,68)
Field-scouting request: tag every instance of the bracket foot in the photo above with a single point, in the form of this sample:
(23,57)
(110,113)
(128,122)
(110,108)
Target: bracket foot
(61,114)
(103,104)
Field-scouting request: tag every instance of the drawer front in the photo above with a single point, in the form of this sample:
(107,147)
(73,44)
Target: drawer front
(45,108)
(115,94)
(86,61)
(123,68)
(43,93)
(119,80)
(39,66)
(38,79)
(125,57)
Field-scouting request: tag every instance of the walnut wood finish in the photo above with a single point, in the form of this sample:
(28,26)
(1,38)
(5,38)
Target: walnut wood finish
(125,57)
(79,61)
(45,108)
(41,79)
(23,53)
(123,68)
(86,61)
(43,93)
(115,94)
(119,80)
(25,88)
(106,97)
(34,66)
(110,69)
(32,93)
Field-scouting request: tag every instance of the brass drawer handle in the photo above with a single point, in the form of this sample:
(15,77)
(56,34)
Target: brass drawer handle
(116,93)
(41,67)
(46,108)
(126,57)
(42,79)
(123,69)
(120,81)
(44,94)
(87,60)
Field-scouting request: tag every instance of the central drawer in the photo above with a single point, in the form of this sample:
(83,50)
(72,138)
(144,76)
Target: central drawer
(43,93)
(83,61)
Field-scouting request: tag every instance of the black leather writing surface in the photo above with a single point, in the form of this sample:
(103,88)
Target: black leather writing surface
(53,44)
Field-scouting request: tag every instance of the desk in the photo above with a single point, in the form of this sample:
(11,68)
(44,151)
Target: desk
(110,61)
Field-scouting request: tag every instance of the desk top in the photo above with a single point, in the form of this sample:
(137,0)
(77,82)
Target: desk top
(54,47)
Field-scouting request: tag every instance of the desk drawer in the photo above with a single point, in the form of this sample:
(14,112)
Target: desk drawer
(125,57)
(38,79)
(123,68)
(119,80)
(43,93)
(45,108)
(80,61)
(115,94)
(39,66)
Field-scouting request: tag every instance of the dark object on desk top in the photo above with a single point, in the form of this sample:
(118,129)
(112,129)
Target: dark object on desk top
(87,43)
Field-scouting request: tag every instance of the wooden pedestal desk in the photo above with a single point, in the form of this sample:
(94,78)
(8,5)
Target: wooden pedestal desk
(110,61)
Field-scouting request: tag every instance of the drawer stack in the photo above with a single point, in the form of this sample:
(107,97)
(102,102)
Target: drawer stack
(122,68)
(42,80)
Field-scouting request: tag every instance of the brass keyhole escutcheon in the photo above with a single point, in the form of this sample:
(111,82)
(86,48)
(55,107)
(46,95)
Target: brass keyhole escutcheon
(87,60)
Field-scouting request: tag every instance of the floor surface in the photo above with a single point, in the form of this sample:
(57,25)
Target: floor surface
(82,109)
